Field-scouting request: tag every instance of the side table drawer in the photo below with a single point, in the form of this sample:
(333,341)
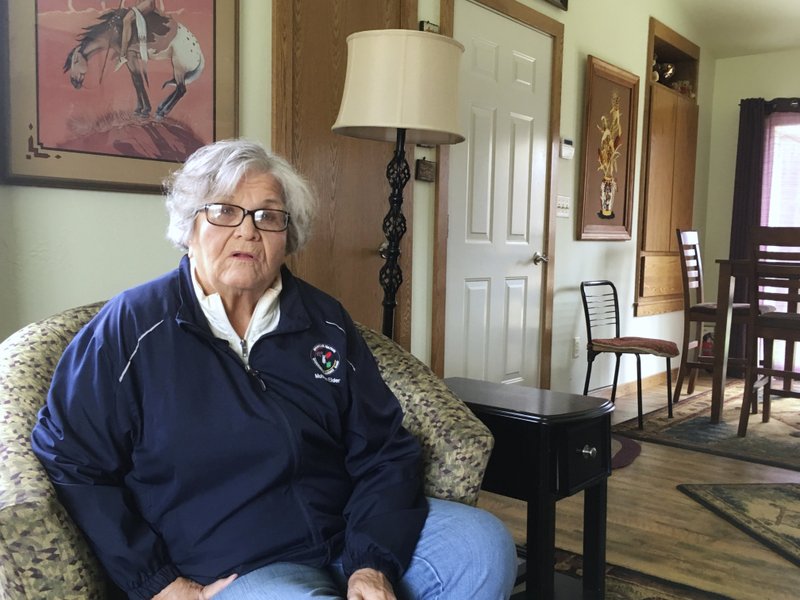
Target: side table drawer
(584,455)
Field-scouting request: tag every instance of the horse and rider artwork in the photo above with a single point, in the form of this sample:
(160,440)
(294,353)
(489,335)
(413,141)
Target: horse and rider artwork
(130,78)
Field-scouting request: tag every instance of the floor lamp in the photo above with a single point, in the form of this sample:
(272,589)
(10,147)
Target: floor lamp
(401,86)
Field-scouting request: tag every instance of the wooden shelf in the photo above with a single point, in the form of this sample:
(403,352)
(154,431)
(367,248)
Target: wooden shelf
(669,47)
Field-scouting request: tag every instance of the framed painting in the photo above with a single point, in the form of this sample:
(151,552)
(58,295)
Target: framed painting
(562,4)
(80,111)
(608,155)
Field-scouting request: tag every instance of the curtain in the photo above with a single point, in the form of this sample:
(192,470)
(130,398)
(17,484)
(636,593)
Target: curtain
(748,179)
(746,198)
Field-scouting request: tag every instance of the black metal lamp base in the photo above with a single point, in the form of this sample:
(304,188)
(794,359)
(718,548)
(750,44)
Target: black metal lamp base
(394,227)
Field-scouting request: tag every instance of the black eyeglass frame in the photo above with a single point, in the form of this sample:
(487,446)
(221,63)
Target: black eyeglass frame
(244,213)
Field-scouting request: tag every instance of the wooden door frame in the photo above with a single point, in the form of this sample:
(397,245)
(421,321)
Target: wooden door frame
(555,30)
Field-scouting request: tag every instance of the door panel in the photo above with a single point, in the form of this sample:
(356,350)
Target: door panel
(521,146)
(498,198)
(480,174)
(660,163)
(686,115)
(476,328)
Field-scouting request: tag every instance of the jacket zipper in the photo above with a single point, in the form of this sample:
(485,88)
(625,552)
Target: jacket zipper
(315,535)
(248,368)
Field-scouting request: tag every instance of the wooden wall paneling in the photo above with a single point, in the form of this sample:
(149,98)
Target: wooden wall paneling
(349,175)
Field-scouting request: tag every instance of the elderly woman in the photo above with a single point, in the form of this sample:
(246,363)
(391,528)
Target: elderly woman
(223,431)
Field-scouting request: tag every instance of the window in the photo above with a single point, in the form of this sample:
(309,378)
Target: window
(780,196)
(780,193)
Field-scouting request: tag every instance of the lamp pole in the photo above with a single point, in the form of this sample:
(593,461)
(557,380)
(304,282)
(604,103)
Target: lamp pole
(394,227)
(400,85)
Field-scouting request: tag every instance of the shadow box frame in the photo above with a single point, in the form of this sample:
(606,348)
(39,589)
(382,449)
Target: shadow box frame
(603,80)
(28,161)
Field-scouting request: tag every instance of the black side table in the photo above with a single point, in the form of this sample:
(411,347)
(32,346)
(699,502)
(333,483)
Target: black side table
(548,445)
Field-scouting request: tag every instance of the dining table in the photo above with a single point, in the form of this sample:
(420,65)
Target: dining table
(729,271)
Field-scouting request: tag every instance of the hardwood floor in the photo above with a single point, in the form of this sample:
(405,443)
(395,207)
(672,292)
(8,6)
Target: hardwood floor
(655,529)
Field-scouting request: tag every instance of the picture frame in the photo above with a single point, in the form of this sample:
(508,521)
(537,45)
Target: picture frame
(73,113)
(562,4)
(608,156)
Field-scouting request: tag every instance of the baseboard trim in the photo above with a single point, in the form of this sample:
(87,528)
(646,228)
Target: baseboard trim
(629,387)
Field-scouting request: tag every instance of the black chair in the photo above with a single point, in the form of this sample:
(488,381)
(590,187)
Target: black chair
(601,309)
(774,277)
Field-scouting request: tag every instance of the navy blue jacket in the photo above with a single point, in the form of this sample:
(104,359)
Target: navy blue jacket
(176,460)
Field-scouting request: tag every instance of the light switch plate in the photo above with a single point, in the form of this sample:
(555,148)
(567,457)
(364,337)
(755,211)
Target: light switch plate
(562,206)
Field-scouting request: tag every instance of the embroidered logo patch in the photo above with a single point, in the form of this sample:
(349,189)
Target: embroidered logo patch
(326,358)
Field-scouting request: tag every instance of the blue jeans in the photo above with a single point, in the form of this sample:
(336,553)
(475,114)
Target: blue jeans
(463,552)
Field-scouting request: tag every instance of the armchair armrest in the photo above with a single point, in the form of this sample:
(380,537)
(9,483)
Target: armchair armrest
(42,552)
(455,444)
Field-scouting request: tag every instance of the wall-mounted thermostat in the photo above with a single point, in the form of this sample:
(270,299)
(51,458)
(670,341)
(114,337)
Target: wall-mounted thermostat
(567,149)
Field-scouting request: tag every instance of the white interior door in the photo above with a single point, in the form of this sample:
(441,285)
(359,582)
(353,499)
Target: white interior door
(497,199)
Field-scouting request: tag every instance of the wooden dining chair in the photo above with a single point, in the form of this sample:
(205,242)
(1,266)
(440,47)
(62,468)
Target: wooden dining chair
(774,277)
(697,311)
(601,310)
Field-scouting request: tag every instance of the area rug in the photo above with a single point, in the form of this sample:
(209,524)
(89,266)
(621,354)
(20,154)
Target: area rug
(627,584)
(776,443)
(768,512)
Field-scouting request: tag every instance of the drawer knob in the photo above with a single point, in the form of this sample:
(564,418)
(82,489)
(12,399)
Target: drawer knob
(589,452)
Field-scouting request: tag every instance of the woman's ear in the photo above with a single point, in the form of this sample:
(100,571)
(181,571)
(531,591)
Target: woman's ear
(190,240)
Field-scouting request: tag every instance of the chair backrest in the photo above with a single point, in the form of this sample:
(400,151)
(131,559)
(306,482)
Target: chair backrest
(775,268)
(691,267)
(600,308)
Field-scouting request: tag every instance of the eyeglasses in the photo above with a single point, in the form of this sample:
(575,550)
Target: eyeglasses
(230,215)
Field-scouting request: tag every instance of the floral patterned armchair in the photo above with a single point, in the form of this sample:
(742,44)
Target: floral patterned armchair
(43,554)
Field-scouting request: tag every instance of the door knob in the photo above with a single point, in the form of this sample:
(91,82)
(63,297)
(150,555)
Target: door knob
(539,258)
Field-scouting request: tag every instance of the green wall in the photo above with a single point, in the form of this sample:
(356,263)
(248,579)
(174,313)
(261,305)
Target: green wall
(93,244)
(61,248)
(768,76)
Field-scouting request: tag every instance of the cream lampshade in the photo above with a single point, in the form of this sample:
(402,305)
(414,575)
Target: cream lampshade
(401,79)
(401,86)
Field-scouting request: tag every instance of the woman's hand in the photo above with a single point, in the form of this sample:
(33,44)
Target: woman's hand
(369,584)
(186,589)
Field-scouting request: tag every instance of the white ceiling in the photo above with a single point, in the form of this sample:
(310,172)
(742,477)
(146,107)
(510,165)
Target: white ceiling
(742,27)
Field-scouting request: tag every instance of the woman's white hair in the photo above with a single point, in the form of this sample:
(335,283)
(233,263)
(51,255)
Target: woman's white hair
(212,174)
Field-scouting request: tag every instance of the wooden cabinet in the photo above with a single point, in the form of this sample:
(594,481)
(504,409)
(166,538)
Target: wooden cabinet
(670,169)
(669,154)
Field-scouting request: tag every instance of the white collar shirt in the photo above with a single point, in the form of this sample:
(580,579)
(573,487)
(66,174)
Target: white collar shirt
(265,318)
